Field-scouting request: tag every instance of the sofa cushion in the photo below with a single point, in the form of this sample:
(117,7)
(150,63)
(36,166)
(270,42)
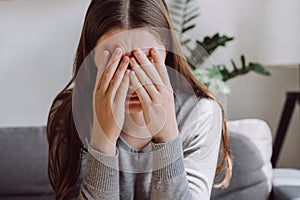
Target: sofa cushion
(23,166)
(286,184)
(251,145)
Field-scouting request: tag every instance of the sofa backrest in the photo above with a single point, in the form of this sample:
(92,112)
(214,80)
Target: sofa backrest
(23,163)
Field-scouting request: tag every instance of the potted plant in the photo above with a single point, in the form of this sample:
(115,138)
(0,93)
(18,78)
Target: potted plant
(183,14)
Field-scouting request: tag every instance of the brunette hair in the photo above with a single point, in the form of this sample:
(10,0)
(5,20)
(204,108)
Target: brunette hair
(65,146)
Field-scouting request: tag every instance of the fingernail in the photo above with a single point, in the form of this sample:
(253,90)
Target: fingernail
(118,50)
(125,59)
(132,60)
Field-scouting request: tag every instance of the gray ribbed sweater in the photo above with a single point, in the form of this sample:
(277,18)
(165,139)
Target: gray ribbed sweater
(183,168)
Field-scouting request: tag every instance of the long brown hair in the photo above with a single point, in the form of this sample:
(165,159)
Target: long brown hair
(65,146)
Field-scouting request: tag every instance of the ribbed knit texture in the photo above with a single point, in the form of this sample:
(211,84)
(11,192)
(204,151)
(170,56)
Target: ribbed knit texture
(102,171)
(167,159)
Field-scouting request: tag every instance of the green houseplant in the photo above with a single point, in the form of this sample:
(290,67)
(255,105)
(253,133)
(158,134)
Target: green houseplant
(183,14)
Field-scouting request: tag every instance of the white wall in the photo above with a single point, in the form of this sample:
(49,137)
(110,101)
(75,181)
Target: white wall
(39,38)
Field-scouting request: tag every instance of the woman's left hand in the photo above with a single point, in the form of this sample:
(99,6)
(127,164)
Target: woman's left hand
(152,85)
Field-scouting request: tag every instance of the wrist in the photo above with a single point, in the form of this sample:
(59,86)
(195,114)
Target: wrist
(168,133)
(162,138)
(104,148)
(100,142)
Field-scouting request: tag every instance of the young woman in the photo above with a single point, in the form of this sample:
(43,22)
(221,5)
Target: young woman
(152,130)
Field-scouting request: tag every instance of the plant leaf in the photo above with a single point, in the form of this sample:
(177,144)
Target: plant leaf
(243,61)
(175,21)
(176,6)
(234,65)
(175,12)
(224,71)
(190,18)
(189,12)
(258,68)
(188,28)
(211,43)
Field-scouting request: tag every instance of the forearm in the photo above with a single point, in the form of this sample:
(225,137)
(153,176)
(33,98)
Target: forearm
(169,178)
(101,179)
(100,142)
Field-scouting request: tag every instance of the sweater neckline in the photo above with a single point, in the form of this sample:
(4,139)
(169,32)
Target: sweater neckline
(122,143)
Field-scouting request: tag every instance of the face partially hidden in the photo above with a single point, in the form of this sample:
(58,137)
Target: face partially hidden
(128,40)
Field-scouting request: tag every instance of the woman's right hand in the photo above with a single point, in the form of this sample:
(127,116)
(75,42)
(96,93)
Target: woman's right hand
(109,101)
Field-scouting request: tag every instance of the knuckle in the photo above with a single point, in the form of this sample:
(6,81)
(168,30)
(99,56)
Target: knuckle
(155,99)
(98,94)
(153,103)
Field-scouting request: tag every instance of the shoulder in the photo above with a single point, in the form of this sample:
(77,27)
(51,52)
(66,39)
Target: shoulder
(193,109)
(198,117)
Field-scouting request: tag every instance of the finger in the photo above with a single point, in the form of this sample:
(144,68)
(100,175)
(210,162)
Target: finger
(102,60)
(139,89)
(117,78)
(151,60)
(121,94)
(110,69)
(101,65)
(159,62)
(143,78)
(147,66)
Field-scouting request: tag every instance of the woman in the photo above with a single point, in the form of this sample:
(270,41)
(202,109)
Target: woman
(149,137)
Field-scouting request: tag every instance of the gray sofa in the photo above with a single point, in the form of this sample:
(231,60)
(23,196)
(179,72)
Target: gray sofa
(23,163)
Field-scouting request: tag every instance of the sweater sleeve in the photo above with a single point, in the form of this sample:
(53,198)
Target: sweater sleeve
(184,168)
(101,180)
